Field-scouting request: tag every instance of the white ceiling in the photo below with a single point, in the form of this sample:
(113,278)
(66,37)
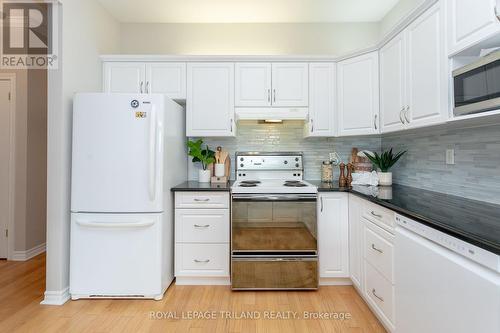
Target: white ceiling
(248,11)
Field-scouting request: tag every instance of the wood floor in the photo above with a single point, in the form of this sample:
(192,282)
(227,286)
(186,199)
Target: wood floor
(22,285)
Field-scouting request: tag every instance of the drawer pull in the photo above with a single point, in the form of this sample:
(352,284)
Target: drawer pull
(378,250)
(202,261)
(374,292)
(376,215)
(202,200)
(202,226)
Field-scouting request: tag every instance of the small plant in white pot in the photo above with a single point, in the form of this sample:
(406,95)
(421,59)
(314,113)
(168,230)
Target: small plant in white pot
(384,162)
(204,156)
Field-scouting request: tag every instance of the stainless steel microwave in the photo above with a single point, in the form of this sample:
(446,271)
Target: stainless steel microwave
(477,86)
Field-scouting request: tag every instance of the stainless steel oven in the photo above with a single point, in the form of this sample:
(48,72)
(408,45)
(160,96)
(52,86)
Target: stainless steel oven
(274,241)
(477,86)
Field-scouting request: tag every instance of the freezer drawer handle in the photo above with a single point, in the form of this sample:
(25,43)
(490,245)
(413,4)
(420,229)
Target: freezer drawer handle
(202,261)
(378,250)
(115,225)
(374,292)
(202,226)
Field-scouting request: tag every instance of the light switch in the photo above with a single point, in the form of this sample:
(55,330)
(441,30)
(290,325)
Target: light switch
(450,156)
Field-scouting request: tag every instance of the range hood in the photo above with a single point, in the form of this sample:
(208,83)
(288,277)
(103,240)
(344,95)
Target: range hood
(271,114)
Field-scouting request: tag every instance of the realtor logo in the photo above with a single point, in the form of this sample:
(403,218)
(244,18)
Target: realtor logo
(28,34)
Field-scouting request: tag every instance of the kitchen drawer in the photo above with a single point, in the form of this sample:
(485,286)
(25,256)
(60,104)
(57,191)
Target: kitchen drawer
(379,292)
(206,260)
(379,249)
(380,215)
(202,225)
(202,200)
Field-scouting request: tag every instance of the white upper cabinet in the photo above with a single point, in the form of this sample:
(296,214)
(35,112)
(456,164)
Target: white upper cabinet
(210,99)
(253,84)
(392,84)
(124,77)
(166,78)
(321,100)
(333,235)
(470,21)
(144,78)
(358,95)
(266,85)
(427,90)
(290,84)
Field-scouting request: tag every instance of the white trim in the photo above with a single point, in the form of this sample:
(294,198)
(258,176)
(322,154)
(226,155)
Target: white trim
(335,282)
(28,254)
(202,281)
(56,297)
(12,166)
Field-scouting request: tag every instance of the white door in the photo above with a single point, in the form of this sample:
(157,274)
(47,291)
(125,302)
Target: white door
(253,84)
(427,92)
(5,153)
(124,77)
(358,95)
(167,78)
(356,241)
(117,157)
(290,84)
(470,21)
(321,100)
(210,99)
(333,235)
(392,84)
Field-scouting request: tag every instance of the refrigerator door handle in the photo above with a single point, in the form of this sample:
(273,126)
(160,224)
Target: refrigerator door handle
(152,155)
(115,225)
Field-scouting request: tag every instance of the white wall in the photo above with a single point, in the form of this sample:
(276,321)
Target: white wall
(247,39)
(87,32)
(400,10)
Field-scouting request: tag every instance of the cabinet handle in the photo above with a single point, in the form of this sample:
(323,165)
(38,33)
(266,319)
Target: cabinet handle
(202,200)
(401,115)
(202,261)
(142,84)
(147,87)
(376,215)
(269,95)
(231,122)
(312,125)
(321,204)
(274,95)
(378,250)
(374,292)
(375,121)
(202,226)
(407,117)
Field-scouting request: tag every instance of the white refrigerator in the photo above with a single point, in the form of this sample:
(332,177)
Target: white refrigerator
(128,151)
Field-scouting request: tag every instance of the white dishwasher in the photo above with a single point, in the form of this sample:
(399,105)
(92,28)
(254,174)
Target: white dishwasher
(443,284)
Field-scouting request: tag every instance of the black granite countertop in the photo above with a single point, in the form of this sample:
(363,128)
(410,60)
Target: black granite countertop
(475,222)
(193,186)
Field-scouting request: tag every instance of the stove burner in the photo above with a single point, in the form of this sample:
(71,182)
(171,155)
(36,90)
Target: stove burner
(294,184)
(247,185)
(250,182)
(292,181)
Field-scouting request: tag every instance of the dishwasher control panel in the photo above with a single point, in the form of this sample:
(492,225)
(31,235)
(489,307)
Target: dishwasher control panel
(474,253)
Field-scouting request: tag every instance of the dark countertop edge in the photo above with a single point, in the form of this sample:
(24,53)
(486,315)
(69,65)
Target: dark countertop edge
(191,186)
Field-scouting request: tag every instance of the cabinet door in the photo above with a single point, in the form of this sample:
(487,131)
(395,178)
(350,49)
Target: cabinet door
(392,84)
(166,78)
(358,95)
(290,85)
(210,99)
(253,84)
(469,22)
(333,235)
(124,77)
(427,92)
(356,241)
(321,100)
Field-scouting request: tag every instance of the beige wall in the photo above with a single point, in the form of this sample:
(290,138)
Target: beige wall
(400,10)
(247,39)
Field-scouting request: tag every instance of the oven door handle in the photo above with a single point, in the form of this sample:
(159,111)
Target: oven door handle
(275,197)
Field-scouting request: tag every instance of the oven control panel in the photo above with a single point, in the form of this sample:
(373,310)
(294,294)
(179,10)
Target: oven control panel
(254,161)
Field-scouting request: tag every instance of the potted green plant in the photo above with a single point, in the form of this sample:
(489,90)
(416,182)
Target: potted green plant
(205,156)
(384,162)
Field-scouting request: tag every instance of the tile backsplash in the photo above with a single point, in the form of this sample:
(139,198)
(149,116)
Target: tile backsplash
(476,173)
(288,136)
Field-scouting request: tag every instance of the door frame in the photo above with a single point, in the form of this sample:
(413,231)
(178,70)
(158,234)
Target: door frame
(12,167)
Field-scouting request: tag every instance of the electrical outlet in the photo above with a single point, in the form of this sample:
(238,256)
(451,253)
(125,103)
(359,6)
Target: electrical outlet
(450,156)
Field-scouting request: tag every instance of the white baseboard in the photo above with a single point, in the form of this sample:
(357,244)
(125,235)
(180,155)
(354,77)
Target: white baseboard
(28,254)
(203,281)
(335,282)
(56,297)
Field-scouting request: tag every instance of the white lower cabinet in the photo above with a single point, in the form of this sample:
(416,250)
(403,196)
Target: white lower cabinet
(356,241)
(202,232)
(333,235)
